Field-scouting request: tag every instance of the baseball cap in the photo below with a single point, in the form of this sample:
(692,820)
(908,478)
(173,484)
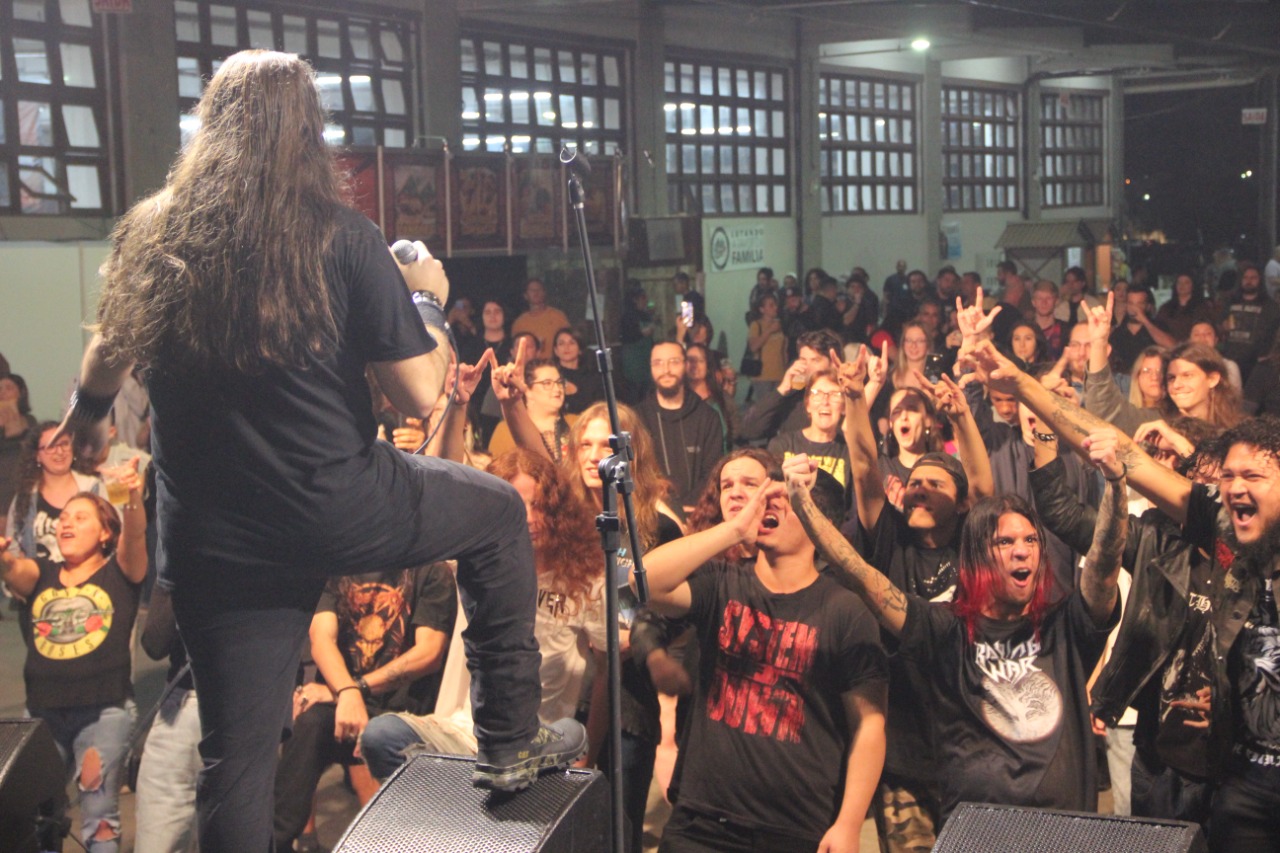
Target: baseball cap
(951,465)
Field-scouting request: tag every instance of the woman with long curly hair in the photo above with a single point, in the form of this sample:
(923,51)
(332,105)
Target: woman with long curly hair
(46,482)
(252,297)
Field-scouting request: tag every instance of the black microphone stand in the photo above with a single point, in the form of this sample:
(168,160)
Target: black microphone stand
(615,476)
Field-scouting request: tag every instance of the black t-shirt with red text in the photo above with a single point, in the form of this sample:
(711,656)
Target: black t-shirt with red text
(768,733)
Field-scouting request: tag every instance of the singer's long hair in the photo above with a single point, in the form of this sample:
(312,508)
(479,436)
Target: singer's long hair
(223,268)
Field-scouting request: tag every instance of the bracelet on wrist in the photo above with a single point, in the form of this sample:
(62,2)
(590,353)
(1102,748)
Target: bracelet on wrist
(1046,437)
(363,687)
(1124,472)
(429,310)
(91,407)
(339,692)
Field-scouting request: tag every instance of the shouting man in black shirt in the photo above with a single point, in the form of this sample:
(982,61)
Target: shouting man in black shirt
(1005,671)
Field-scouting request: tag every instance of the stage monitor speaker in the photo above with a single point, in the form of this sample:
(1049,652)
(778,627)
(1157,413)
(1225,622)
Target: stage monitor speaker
(33,794)
(983,828)
(430,806)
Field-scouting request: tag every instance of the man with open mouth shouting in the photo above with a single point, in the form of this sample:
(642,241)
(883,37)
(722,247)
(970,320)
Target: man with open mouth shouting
(1002,669)
(1238,527)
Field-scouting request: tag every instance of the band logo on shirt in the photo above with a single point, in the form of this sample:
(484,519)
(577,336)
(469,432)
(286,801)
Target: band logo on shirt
(1018,700)
(70,623)
(763,660)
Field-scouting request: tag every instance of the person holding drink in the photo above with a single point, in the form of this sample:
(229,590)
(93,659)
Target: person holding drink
(79,611)
(781,408)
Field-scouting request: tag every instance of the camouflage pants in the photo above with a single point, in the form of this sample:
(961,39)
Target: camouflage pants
(906,815)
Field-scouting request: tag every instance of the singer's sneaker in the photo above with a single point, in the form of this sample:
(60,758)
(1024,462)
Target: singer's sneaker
(513,768)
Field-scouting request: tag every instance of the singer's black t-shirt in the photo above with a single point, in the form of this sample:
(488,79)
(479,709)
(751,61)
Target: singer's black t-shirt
(266,480)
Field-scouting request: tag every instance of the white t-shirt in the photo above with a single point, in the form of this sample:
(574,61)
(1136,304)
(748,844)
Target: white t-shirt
(565,639)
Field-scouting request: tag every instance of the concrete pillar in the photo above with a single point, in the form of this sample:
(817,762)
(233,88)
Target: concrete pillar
(148,79)
(931,171)
(1115,148)
(440,79)
(1033,203)
(808,183)
(648,120)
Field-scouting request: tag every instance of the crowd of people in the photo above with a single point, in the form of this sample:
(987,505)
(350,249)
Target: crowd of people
(945,547)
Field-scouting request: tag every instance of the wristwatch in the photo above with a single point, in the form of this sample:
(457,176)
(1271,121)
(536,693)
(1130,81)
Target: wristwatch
(363,686)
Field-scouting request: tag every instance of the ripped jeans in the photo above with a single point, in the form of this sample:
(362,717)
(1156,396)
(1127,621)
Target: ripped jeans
(79,732)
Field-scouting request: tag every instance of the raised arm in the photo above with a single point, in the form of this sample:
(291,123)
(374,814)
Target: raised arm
(885,601)
(1098,580)
(1101,394)
(1169,491)
(950,400)
(669,566)
(449,441)
(868,488)
(508,386)
(17,572)
(101,376)
(131,553)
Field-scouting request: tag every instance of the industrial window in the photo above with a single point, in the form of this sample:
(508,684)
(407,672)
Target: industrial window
(363,60)
(728,138)
(980,148)
(53,109)
(867,129)
(534,95)
(1071,149)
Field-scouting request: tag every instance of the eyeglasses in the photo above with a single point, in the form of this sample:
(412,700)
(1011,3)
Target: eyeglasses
(547,383)
(671,362)
(64,444)
(824,396)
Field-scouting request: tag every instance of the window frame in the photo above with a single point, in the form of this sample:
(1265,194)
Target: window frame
(874,193)
(1073,139)
(481,132)
(378,125)
(985,111)
(58,95)
(752,167)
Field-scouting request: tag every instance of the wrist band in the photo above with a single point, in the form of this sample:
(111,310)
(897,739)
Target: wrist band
(92,407)
(429,310)
(1124,471)
(363,687)
(338,693)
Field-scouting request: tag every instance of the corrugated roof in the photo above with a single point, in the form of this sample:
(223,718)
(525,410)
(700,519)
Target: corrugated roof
(1053,235)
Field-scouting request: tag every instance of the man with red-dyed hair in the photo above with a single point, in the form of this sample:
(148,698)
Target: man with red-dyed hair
(1004,670)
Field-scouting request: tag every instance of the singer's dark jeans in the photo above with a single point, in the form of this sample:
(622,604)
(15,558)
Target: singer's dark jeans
(245,660)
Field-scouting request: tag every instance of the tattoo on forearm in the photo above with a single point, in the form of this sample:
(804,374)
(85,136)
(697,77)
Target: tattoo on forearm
(1102,563)
(878,591)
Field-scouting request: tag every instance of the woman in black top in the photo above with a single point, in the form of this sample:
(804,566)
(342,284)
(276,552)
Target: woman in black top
(77,619)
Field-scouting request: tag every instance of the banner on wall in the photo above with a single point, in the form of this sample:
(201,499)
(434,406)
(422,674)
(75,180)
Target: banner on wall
(736,247)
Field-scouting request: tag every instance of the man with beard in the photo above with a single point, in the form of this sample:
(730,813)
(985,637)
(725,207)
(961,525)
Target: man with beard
(688,432)
(1002,670)
(1249,322)
(1237,699)
(918,548)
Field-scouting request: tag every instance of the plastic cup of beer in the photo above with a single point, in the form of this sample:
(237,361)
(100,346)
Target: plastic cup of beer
(117,490)
(799,379)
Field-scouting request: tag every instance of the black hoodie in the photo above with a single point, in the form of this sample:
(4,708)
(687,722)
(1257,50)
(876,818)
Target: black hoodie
(688,442)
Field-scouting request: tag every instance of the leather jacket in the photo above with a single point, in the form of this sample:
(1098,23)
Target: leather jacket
(1160,561)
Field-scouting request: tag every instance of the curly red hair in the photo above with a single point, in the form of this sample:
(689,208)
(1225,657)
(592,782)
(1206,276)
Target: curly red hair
(574,558)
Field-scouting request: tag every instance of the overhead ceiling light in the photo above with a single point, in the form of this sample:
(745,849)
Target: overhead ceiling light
(920,44)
